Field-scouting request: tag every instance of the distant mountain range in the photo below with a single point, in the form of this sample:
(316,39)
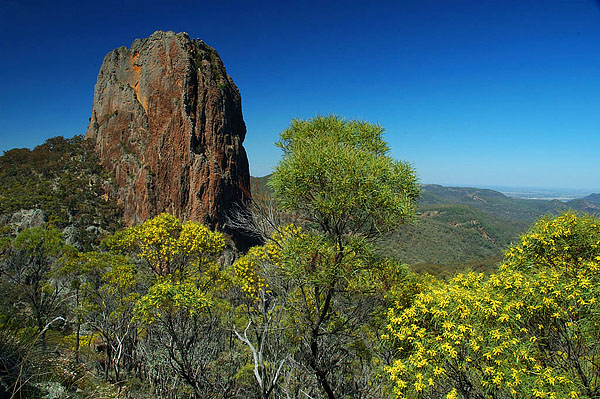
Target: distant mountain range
(498,204)
(590,204)
(562,194)
(463,227)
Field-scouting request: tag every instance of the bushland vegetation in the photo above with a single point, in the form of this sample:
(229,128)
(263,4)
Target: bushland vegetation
(63,179)
(316,311)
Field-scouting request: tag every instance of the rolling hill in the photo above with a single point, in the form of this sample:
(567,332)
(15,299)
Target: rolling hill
(463,227)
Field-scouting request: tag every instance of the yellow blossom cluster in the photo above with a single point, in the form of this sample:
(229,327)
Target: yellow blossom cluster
(166,243)
(567,242)
(182,257)
(246,271)
(195,238)
(529,330)
(168,296)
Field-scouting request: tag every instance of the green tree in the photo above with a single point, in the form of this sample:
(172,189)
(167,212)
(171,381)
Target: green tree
(338,176)
(106,289)
(180,313)
(29,267)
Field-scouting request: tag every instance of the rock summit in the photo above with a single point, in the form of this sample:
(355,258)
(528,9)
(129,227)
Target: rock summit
(167,122)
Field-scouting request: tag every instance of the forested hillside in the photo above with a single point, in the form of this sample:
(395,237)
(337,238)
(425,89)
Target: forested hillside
(498,204)
(58,184)
(460,228)
(450,237)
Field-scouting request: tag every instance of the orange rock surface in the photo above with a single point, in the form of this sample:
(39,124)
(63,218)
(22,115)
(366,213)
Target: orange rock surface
(167,122)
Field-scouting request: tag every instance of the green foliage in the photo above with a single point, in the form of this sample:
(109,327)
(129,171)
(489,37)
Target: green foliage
(32,308)
(28,270)
(64,178)
(21,366)
(338,175)
(529,330)
(167,297)
(38,242)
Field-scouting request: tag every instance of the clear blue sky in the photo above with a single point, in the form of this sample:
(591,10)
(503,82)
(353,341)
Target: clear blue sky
(478,92)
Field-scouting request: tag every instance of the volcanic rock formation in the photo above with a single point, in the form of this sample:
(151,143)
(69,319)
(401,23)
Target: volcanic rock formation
(167,121)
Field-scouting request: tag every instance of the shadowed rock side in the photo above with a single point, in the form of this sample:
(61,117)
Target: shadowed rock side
(167,121)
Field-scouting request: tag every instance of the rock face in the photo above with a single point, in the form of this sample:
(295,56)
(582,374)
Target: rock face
(27,218)
(167,121)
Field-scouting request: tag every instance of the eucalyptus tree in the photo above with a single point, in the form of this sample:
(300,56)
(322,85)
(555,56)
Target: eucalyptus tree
(29,268)
(179,314)
(338,176)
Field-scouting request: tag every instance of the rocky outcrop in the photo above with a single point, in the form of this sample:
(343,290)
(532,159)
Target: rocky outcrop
(167,121)
(27,218)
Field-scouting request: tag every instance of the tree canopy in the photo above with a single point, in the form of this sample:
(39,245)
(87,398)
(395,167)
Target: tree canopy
(338,174)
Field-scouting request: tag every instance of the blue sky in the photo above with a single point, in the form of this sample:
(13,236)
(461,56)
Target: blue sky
(478,92)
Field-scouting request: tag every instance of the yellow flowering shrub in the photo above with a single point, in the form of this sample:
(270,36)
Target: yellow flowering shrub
(247,271)
(530,330)
(182,258)
(166,244)
(168,296)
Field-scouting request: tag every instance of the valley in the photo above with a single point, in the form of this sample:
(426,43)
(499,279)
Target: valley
(460,228)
